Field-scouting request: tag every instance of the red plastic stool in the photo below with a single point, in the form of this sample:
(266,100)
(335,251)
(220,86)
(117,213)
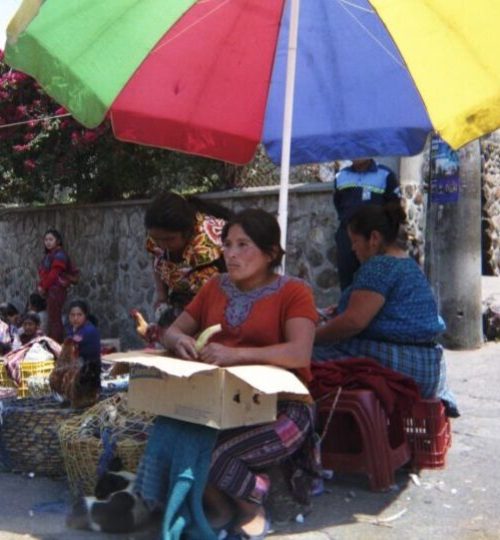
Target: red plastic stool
(362,439)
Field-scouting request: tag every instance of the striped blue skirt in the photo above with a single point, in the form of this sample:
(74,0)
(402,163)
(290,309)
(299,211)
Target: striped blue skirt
(425,364)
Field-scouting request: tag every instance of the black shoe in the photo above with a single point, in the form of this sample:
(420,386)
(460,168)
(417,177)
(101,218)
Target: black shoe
(450,410)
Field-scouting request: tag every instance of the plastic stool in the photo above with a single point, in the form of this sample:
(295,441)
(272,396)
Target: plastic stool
(362,439)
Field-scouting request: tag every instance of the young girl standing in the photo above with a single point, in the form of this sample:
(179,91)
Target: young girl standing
(52,285)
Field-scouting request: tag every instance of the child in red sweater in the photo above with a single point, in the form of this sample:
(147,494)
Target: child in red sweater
(52,285)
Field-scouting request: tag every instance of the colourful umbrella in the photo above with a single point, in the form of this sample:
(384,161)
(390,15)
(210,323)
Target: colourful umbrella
(208,77)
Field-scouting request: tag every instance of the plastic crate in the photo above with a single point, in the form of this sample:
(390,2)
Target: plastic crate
(428,433)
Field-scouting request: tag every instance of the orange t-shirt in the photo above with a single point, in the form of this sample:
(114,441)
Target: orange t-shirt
(256,318)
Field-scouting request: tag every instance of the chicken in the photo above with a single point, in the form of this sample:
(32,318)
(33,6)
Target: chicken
(141,325)
(74,380)
(148,332)
(67,360)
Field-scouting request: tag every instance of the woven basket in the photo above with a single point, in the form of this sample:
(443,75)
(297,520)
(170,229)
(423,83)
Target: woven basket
(28,369)
(82,441)
(28,436)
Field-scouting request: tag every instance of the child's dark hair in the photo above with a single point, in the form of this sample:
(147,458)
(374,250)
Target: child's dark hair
(385,219)
(56,234)
(264,230)
(37,302)
(81,304)
(31,316)
(8,310)
(173,212)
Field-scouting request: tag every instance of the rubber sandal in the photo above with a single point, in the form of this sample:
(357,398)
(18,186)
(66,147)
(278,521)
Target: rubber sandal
(244,536)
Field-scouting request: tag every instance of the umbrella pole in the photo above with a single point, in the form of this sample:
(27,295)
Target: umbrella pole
(287,123)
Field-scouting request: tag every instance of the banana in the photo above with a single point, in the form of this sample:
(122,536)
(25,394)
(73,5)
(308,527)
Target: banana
(206,335)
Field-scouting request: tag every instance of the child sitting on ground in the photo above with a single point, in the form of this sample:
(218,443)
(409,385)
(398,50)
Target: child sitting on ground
(30,327)
(38,305)
(10,315)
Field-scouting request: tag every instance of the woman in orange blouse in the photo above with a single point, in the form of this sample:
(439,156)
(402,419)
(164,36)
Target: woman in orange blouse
(266,318)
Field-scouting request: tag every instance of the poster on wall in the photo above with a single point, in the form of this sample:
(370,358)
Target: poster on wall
(444,172)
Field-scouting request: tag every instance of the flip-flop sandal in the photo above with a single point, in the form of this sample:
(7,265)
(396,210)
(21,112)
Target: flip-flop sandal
(244,536)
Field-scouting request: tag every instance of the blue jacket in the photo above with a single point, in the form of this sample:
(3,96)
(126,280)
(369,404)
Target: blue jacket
(89,341)
(352,189)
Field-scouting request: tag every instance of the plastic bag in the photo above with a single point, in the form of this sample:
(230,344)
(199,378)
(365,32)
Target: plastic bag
(38,353)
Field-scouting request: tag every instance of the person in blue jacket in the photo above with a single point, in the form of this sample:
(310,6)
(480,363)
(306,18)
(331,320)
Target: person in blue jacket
(82,329)
(363,182)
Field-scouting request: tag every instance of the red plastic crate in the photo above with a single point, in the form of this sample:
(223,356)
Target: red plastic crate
(428,433)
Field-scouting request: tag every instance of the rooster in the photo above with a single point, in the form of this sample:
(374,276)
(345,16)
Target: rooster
(74,380)
(147,331)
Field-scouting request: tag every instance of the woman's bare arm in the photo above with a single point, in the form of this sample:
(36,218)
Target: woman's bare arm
(161,290)
(362,308)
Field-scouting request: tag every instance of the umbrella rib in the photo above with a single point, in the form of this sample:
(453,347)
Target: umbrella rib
(377,41)
(361,8)
(34,120)
(184,30)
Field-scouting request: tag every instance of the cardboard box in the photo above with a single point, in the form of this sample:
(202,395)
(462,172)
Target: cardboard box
(204,394)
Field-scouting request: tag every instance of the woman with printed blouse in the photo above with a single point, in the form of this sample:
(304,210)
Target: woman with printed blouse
(184,239)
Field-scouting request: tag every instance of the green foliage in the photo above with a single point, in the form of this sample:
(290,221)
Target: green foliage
(58,160)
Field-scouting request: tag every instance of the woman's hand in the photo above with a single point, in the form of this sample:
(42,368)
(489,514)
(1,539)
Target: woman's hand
(326,313)
(185,347)
(362,308)
(218,355)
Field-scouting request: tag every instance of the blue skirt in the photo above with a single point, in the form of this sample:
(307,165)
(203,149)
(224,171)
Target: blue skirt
(423,363)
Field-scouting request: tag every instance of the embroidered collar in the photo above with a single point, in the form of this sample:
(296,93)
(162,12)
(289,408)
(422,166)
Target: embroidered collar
(240,303)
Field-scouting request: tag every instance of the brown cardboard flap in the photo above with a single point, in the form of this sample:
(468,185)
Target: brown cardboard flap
(269,379)
(266,379)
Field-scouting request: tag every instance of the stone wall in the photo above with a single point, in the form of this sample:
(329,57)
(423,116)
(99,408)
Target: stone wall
(107,243)
(490,152)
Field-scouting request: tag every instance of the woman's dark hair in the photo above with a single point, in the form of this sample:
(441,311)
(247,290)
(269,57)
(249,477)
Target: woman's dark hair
(173,212)
(56,234)
(37,302)
(81,304)
(31,316)
(262,228)
(385,219)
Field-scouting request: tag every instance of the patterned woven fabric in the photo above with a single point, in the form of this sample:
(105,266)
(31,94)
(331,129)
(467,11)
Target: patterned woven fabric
(422,364)
(187,276)
(240,452)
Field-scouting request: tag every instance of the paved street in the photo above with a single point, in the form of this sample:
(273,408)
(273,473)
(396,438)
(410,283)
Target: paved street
(459,502)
